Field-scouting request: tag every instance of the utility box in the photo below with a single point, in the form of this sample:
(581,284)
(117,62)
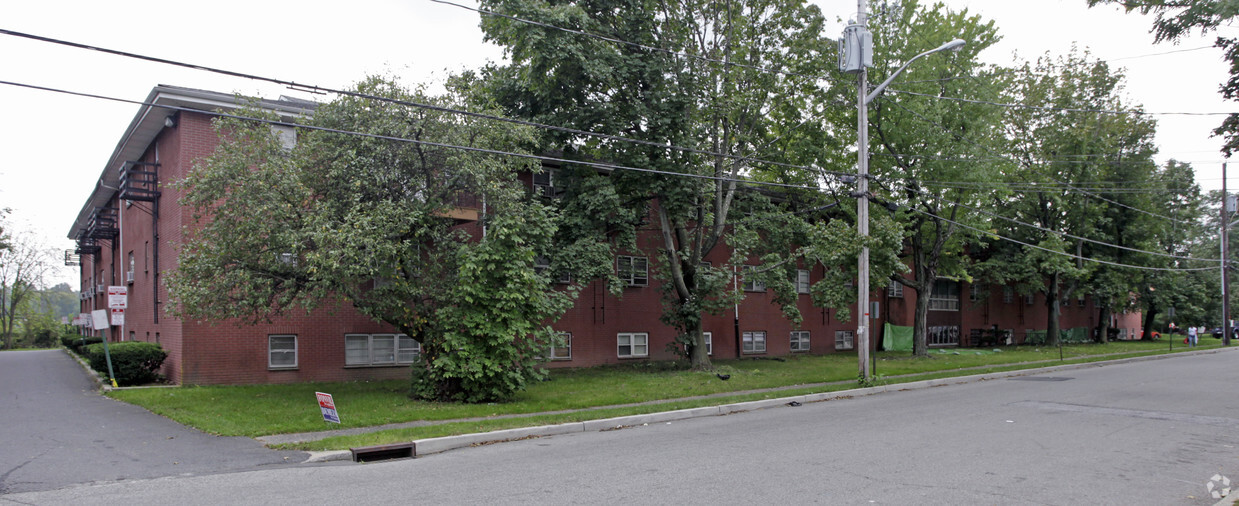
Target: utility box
(855,49)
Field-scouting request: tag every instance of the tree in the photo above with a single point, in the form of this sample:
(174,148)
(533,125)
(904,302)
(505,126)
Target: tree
(24,266)
(368,219)
(729,81)
(1066,146)
(1178,18)
(924,140)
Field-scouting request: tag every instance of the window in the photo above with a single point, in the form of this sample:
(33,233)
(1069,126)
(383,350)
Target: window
(845,339)
(754,342)
(1008,295)
(541,264)
(974,292)
(544,182)
(129,273)
(1030,298)
(709,338)
(633,271)
(380,349)
(752,285)
(802,281)
(800,340)
(1080,301)
(895,289)
(561,348)
(944,296)
(634,344)
(282,352)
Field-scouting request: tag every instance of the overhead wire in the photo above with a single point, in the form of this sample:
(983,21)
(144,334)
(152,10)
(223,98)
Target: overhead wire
(323,89)
(601,165)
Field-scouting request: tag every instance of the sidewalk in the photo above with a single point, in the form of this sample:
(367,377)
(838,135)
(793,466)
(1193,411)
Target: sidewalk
(435,445)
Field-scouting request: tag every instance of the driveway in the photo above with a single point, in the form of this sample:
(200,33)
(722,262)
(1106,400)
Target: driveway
(58,431)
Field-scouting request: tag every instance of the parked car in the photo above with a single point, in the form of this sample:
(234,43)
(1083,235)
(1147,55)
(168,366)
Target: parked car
(1217,332)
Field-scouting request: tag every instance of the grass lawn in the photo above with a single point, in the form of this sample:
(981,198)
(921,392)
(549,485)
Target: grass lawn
(255,410)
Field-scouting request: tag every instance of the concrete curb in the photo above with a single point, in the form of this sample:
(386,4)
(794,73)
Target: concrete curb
(423,447)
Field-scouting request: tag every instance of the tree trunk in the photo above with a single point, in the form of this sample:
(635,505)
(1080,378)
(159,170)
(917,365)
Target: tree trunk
(920,325)
(1146,333)
(698,355)
(1103,324)
(1053,304)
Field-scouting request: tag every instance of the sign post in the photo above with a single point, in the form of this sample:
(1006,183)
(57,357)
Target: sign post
(99,318)
(328,407)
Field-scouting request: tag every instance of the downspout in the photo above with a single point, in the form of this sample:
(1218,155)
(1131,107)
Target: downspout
(735,285)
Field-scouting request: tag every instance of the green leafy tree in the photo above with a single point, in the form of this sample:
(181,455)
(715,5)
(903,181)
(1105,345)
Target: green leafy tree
(369,220)
(25,264)
(1065,148)
(1178,18)
(729,80)
(922,141)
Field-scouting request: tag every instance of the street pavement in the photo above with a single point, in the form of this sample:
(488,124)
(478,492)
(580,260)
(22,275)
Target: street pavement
(1138,432)
(56,430)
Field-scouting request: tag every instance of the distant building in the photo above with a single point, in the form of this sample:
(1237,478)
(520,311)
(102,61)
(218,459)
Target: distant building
(130,226)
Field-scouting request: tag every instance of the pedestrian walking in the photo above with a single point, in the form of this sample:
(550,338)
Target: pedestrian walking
(1191,336)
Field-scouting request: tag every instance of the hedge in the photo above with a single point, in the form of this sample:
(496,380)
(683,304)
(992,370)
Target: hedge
(133,362)
(77,342)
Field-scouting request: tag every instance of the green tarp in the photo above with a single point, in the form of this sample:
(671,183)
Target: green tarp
(896,338)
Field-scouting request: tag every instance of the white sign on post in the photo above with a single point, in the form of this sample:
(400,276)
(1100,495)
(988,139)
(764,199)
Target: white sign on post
(118,297)
(99,319)
(118,317)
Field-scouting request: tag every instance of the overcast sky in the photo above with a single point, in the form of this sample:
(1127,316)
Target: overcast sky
(53,147)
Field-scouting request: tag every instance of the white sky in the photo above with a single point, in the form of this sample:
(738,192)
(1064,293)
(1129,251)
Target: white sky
(53,147)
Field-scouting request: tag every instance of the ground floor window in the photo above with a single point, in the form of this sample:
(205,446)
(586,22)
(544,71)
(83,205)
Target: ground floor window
(380,349)
(845,339)
(800,340)
(282,351)
(754,342)
(561,348)
(633,344)
(709,339)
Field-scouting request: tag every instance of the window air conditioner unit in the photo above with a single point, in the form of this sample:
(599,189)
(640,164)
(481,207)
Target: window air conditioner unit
(99,289)
(129,277)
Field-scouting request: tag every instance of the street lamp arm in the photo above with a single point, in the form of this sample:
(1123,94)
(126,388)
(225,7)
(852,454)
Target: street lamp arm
(952,45)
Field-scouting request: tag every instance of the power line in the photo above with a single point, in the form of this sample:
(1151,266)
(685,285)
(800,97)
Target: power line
(1065,234)
(322,89)
(1063,253)
(600,165)
(1058,109)
(627,43)
(1094,195)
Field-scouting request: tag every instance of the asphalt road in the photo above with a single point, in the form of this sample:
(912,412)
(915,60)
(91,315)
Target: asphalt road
(1151,432)
(56,430)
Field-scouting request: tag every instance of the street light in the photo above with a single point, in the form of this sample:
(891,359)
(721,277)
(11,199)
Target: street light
(856,54)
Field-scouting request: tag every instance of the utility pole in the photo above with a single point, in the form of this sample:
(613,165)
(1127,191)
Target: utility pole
(862,208)
(1225,272)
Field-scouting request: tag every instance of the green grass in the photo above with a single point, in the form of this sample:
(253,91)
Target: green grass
(255,410)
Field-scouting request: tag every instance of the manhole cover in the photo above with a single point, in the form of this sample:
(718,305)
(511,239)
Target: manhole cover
(1039,378)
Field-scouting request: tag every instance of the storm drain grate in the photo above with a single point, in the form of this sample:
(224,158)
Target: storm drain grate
(382,452)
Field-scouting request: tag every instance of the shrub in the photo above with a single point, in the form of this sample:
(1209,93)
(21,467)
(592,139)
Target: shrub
(77,342)
(133,362)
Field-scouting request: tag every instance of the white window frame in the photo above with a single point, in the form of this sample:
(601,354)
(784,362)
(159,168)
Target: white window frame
(626,267)
(799,341)
(709,339)
(563,352)
(1008,295)
(272,351)
(754,341)
(802,281)
(543,183)
(938,302)
(397,348)
(895,290)
(845,339)
(633,341)
(1030,299)
(752,285)
(1080,301)
(974,292)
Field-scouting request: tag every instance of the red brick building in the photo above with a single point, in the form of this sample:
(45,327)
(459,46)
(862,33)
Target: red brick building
(130,227)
